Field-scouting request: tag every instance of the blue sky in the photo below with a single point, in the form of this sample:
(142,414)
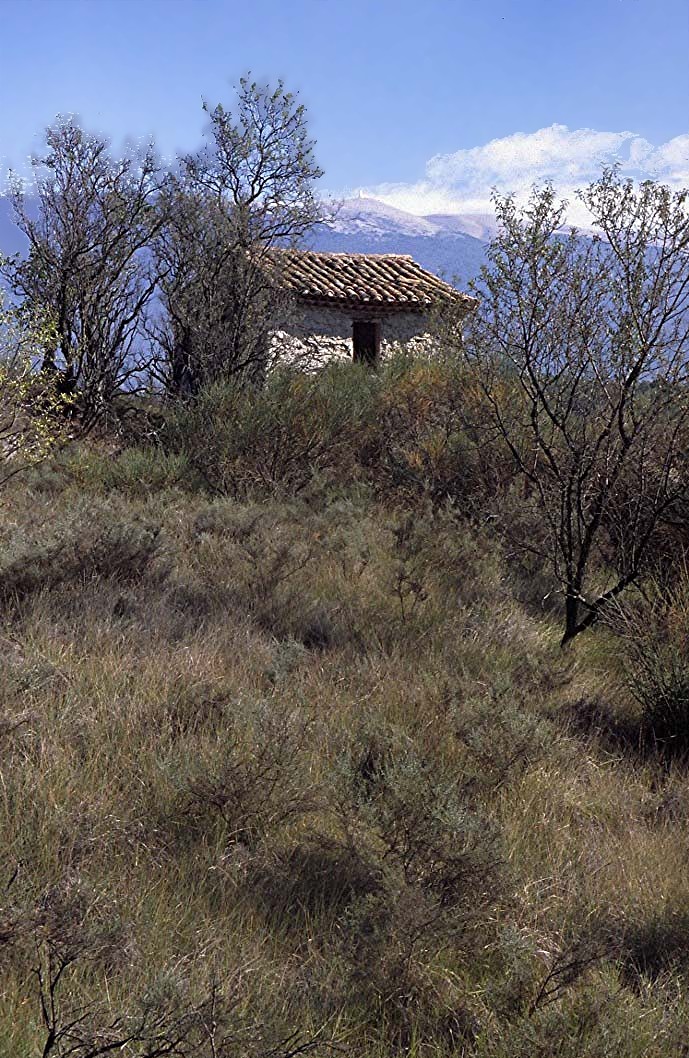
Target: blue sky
(423,104)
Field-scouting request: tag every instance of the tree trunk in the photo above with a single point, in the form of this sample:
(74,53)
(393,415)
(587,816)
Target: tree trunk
(182,381)
(571,617)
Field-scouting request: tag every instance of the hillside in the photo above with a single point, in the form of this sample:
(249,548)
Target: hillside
(292,761)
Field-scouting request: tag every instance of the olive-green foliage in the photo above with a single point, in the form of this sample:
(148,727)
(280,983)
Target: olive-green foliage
(240,440)
(91,542)
(32,414)
(400,428)
(654,630)
(139,471)
(435,869)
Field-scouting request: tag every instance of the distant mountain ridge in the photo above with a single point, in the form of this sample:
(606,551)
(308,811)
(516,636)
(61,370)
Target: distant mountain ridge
(370,216)
(449,245)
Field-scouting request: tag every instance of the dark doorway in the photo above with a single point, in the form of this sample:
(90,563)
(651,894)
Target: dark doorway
(366,336)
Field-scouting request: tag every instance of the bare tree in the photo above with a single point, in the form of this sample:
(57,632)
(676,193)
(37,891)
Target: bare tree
(88,221)
(65,932)
(79,1031)
(219,300)
(249,189)
(581,345)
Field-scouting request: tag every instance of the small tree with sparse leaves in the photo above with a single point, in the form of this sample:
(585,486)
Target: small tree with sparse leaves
(251,188)
(89,222)
(32,420)
(581,346)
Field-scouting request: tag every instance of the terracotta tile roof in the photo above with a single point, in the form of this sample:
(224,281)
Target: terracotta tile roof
(386,280)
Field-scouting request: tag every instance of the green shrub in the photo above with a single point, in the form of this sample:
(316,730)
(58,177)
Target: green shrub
(256,559)
(242,441)
(93,541)
(144,470)
(399,428)
(436,869)
(249,779)
(498,738)
(138,470)
(423,447)
(655,633)
(654,946)
(661,684)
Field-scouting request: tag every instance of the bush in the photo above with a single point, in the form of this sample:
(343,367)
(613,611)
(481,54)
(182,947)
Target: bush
(255,559)
(138,471)
(251,779)
(498,738)
(92,542)
(436,870)
(655,946)
(242,441)
(423,445)
(400,428)
(655,633)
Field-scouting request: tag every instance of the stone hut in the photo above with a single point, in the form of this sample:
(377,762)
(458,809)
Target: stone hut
(347,306)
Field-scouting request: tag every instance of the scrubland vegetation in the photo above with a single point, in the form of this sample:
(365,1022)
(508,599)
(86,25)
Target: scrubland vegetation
(341,712)
(292,758)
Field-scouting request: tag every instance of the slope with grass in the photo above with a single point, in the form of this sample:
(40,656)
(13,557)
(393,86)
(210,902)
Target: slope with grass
(304,770)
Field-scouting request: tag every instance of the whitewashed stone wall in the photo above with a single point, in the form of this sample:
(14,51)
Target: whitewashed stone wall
(315,335)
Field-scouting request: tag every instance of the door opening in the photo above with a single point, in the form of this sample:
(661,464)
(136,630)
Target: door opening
(366,339)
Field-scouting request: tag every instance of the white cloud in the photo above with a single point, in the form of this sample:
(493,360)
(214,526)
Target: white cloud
(672,161)
(461,182)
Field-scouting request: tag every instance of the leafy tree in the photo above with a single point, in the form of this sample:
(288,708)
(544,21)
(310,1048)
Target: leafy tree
(89,221)
(31,424)
(249,189)
(581,345)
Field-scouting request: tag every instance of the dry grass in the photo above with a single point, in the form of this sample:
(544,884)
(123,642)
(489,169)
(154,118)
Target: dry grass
(318,753)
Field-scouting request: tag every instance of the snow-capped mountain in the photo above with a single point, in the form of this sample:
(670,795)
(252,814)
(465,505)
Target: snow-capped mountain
(450,245)
(480,225)
(370,217)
